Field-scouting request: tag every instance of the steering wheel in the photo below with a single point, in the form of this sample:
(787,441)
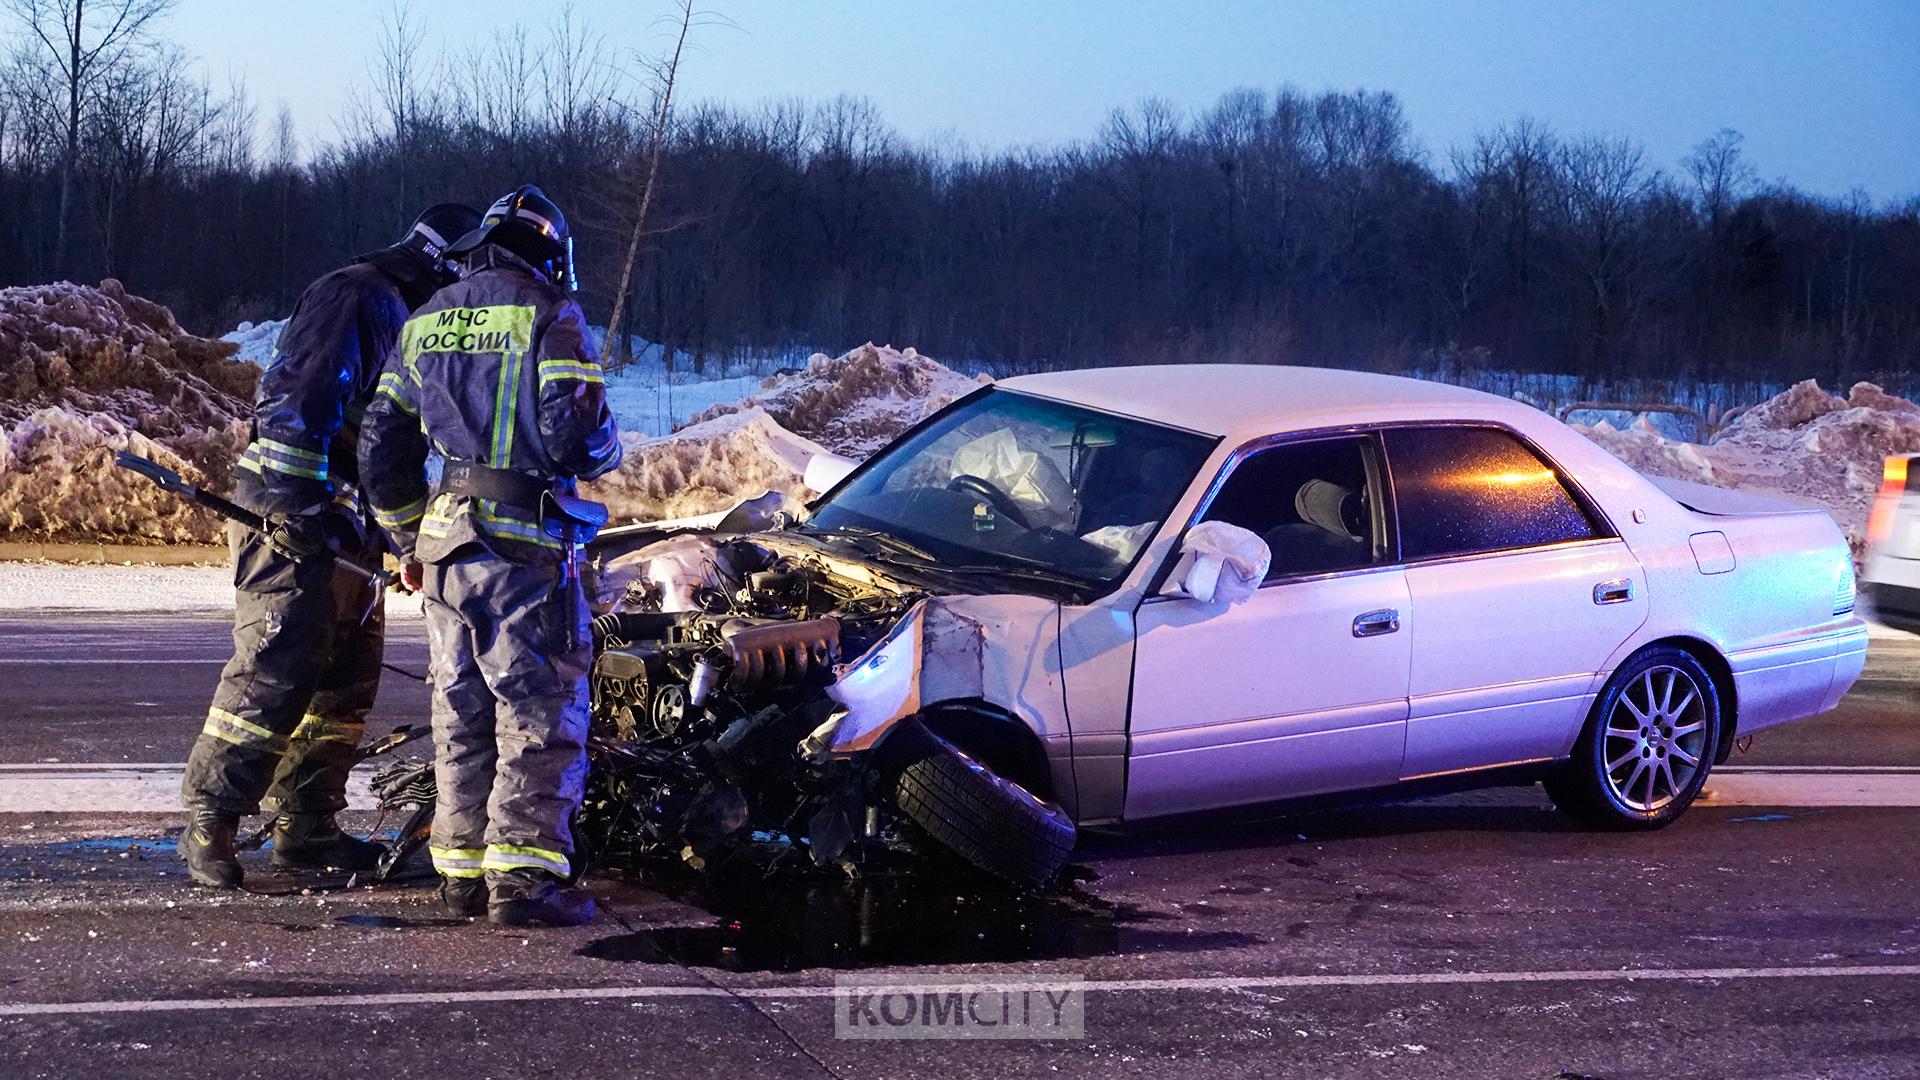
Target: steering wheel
(985,491)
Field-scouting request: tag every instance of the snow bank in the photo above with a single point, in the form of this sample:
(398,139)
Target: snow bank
(705,467)
(86,371)
(1803,443)
(256,340)
(849,405)
(856,403)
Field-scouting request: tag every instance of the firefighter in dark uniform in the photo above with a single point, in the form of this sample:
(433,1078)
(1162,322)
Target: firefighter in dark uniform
(307,637)
(497,380)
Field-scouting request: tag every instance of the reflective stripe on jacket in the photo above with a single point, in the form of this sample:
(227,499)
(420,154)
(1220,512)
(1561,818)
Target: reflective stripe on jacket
(497,369)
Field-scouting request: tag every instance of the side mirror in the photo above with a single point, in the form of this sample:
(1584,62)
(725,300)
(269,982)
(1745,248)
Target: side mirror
(1219,563)
(824,471)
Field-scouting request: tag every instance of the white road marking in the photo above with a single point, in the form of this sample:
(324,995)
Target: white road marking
(1812,789)
(936,985)
(1812,770)
(62,662)
(153,787)
(115,789)
(89,766)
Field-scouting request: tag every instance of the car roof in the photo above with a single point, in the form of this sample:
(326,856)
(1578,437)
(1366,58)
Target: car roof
(1250,400)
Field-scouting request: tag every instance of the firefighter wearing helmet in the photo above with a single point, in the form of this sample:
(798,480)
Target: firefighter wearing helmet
(307,635)
(498,378)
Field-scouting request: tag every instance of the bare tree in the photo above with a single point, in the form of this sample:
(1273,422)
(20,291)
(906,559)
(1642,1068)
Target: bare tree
(83,40)
(577,82)
(234,142)
(1720,175)
(1604,184)
(665,72)
(286,143)
(151,120)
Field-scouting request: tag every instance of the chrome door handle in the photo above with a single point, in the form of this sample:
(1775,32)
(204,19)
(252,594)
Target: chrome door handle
(1375,623)
(1617,591)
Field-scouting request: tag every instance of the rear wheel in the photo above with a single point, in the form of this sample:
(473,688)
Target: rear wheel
(983,817)
(1647,746)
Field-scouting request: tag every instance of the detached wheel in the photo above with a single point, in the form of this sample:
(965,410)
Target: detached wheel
(1646,749)
(979,815)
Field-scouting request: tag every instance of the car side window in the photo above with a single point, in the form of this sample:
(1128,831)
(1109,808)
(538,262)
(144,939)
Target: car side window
(1463,490)
(1312,502)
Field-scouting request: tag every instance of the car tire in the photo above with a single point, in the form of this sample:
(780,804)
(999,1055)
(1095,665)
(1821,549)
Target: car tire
(1647,746)
(988,820)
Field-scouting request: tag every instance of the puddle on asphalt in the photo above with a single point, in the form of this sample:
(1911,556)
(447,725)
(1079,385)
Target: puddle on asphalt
(115,845)
(779,925)
(394,922)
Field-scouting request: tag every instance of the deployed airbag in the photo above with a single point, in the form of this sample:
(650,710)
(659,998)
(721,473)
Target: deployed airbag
(1221,563)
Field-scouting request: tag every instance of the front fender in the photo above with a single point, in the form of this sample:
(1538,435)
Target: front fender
(998,649)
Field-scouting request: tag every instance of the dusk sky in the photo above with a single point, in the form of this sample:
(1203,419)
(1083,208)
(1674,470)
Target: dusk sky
(1827,94)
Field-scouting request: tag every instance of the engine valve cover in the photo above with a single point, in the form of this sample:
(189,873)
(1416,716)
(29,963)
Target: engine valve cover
(779,653)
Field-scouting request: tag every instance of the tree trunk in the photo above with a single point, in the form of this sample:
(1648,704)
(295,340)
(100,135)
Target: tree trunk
(71,159)
(618,354)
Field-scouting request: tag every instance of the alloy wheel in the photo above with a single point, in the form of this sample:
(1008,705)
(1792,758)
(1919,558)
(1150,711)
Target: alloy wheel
(1656,738)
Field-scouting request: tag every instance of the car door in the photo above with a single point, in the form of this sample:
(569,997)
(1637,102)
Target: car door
(1301,689)
(1523,591)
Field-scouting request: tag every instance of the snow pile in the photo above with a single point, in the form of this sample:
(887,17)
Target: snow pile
(705,467)
(86,371)
(849,405)
(256,340)
(856,403)
(1803,443)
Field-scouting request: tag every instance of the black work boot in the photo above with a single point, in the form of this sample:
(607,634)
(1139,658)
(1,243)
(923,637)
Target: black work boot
(314,842)
(465,897)
(535,898)
(207,845)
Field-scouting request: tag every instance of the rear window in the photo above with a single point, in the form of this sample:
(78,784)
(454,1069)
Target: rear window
(1462,490)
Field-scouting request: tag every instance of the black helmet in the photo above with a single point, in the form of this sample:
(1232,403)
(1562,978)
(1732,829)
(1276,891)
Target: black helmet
(435,230)
(527,223)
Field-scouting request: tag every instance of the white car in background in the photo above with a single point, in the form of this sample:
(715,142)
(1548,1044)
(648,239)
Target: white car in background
(1891,577)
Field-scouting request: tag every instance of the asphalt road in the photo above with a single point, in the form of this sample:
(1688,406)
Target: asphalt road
(1472,936)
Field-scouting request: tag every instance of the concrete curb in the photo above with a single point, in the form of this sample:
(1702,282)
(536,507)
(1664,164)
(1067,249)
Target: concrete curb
(115,554)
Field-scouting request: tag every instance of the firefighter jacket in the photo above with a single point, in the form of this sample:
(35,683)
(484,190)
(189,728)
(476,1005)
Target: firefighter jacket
(323,374)
(496,370)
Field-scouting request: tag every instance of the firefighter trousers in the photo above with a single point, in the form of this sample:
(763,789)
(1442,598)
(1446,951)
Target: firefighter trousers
(292,703)
(510,711)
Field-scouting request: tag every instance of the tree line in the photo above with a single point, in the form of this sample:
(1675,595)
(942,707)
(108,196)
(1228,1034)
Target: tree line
(1272,227)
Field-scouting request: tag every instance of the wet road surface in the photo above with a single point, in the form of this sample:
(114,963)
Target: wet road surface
(1472,936)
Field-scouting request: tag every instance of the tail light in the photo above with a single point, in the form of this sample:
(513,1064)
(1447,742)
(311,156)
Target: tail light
(1893,484)
(1845,588)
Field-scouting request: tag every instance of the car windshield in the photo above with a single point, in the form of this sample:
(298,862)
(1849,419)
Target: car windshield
(1006,484)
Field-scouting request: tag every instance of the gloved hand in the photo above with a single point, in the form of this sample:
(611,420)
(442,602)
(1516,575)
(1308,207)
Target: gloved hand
(300,537)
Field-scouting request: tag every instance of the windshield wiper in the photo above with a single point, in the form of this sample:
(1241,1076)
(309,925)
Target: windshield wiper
(887,548)
(1029,573)
(885,541)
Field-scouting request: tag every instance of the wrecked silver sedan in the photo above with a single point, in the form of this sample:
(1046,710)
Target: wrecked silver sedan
(1114,595)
